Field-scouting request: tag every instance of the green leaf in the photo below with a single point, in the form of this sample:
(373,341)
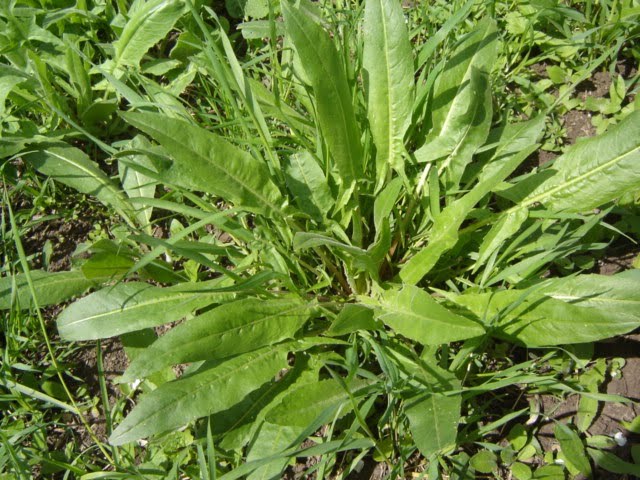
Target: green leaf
(506,226)
(616,295)
(324,68)
(556,74)
(248,8)
(209,390)
(633,426)
(477,50)
(537,320)
(635,454)
(363,260)
(462,110)
(50,288)
(444,233)
(107,265)
(465,130)
(233,328)
(572,448)
(308,185)
(413,313)
(351,318)
(594,171)
(147,25)
(550,472)
(306,404)
(72,167)
(520,471)
(384,203)
(302,409)
(484,461)
(611,463)
(271,441)
(7,83)
(127,307)
(306,240)
(206,162)
(518,437)
(433,420)
(587,412)
(509,140)
(135,183)
(388,76)
(242,423)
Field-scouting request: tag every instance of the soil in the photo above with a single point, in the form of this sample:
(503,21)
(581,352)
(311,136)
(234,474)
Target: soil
(577,123)
(610,416)
(64,235)
(84,368)
(617,261)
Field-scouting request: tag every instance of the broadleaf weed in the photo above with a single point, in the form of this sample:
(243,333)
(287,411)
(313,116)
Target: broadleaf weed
(350,229)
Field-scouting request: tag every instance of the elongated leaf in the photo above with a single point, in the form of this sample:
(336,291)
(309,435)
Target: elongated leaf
(462,111)
(206,162)
(137,184)
(384,203)
(501,231)
(230,329)
(537,321)
(353,317)
(324,69)
(107,265)
(610,294)
(300,410)
(465,130)
(146,27)
(51,288)
(243,88)
(612,463)
(594,171)
(433,420)
(272,440)
(572,448)
(242,423)
(128,307)
(305,240)
(477,50)
(413,313)
(7,83)
(363,260)
(208,391)
(278,109)
(72,167)
(307,183)
(305,404)
(510,140)
(388,70)
(444,234)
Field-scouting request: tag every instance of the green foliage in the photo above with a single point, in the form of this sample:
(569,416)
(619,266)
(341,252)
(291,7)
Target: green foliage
(342,229)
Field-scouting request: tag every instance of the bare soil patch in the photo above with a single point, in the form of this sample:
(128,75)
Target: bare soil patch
(85,367)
